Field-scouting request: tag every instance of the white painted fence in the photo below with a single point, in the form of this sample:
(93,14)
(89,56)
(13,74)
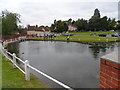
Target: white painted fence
(27,67)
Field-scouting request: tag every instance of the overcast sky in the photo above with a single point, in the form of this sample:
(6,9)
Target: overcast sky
(44,12)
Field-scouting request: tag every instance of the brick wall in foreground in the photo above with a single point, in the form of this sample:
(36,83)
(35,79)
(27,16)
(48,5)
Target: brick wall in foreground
(109,74)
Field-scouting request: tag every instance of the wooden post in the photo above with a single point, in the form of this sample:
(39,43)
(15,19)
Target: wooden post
(27,71)
(6,54)
(14,60)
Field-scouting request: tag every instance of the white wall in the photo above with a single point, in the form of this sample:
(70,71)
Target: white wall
(39,33)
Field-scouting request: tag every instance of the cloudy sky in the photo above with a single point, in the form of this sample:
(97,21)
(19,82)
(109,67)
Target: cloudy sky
(44,12)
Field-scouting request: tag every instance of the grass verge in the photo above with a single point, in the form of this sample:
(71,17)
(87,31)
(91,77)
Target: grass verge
(13,78)
(82,38)
(89,33)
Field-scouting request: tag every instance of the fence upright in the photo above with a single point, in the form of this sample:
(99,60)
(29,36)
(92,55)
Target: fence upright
(14,60)
(27,71)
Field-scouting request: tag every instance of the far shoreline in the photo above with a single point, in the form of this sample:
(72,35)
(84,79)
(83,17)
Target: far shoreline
(83,42)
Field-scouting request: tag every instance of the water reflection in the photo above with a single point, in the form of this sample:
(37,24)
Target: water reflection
(13,48)
(75,64)
(97,48)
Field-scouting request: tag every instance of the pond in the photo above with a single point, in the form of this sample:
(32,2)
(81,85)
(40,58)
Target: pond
(74,64)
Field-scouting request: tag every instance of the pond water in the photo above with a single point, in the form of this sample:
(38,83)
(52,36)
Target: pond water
(74,64)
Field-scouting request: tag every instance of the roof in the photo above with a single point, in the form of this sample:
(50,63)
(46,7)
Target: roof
(35,28)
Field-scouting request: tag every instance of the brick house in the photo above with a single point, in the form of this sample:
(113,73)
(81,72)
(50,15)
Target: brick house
(39,31)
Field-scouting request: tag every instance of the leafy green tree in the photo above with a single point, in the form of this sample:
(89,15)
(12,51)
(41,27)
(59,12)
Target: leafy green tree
(52,28)
(112,24)
(81,25)
(118,25)
(9,22)
(94,21)
(0,27)
(59,26)
(103,23)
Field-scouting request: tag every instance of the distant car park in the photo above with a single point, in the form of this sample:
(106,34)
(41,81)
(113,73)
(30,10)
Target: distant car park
(101,30)
(111,30)
(68,34)
(115,35)
(102,35)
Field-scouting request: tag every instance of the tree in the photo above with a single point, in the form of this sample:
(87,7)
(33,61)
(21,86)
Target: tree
(118,25)
(103,23)
(94,21)
(81,25)
(0,27)
(112,24)
(9,22)
(96,14)
(59,26)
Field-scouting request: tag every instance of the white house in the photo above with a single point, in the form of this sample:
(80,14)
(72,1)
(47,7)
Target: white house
(35,30)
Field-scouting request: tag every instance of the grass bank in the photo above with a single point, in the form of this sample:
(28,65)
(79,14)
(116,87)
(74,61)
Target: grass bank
(81,39)
(13,78)
(89,33)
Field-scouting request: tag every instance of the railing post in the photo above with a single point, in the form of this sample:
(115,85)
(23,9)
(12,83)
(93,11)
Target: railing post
(5,52)
(14,60)
(27,71)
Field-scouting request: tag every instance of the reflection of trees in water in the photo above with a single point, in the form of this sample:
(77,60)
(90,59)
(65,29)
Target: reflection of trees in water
(97,48)
(13,48)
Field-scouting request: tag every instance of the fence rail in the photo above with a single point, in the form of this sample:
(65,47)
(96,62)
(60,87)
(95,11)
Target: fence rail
(27,67)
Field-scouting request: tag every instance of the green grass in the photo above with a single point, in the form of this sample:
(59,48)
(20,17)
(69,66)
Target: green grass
(82,38)
(13,78)
(89,33)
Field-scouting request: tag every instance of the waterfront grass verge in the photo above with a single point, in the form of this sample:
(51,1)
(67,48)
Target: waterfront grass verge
(13,78)
(81,39)
(89,33)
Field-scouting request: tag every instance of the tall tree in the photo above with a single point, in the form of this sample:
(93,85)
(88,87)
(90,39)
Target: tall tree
(111,24)
(59,26)
(96,14)
(9,22)
(81,24)
(94,21)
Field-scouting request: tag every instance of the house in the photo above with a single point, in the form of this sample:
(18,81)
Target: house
(72,28)
(39,31)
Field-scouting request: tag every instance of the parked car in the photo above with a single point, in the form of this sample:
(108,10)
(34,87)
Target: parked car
(115,35)
(111,30)
(68,34)
(102,35)
(101,30)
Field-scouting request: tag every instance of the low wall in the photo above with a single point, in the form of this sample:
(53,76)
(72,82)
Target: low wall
(110,71)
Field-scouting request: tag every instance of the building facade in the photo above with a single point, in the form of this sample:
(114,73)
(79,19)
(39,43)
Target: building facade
(39,31)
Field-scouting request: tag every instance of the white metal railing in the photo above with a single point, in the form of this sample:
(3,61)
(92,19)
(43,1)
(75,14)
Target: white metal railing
(27,67)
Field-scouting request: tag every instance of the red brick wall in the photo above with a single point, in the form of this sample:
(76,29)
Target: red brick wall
(109,74)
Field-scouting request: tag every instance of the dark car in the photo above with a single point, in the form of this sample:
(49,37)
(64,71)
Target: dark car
(68,34)
(115,35)
(102,35)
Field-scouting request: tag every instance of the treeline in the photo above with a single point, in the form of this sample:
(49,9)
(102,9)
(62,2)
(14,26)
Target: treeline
(9,22)
(95,23)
